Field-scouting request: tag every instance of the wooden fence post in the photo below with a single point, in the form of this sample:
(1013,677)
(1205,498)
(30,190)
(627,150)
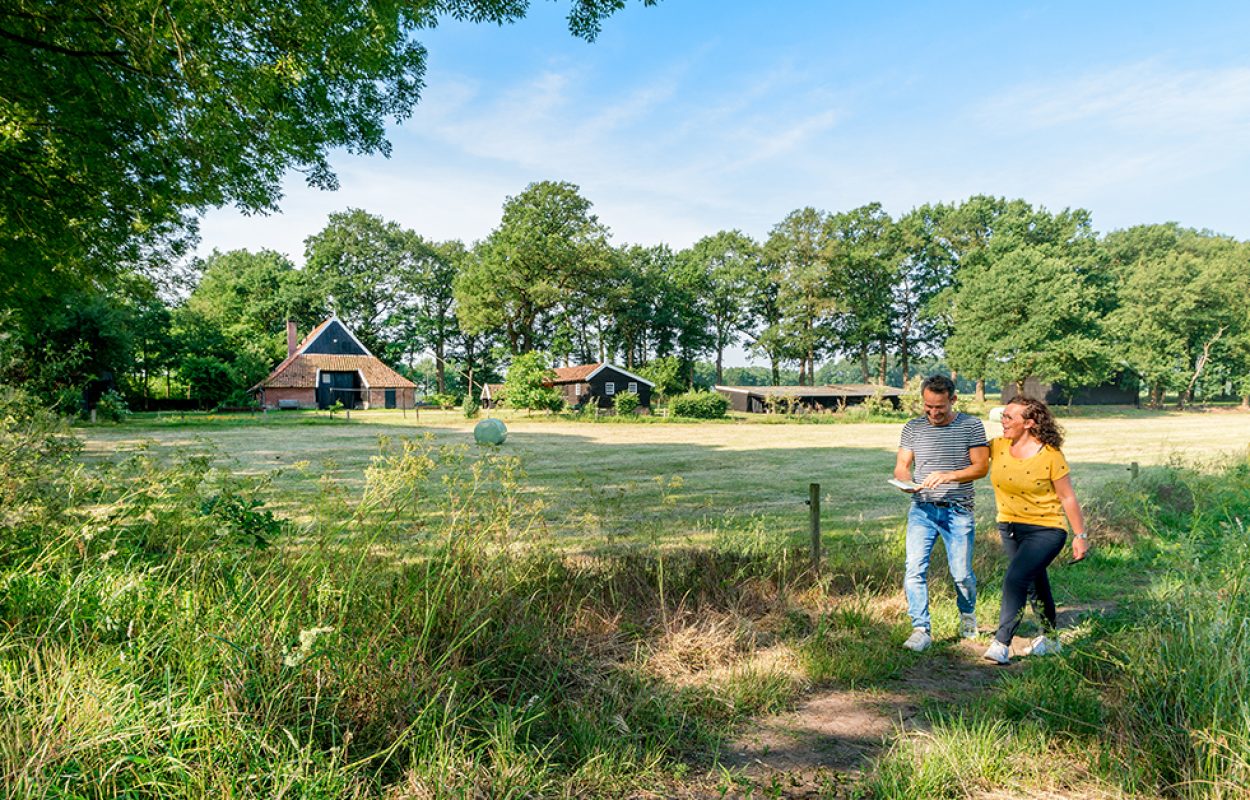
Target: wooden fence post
(813,501)
(1133,469)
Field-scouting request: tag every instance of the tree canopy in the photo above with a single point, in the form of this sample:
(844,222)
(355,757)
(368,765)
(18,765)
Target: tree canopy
(119,121)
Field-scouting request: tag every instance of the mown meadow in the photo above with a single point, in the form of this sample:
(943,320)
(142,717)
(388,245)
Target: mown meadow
(296,606)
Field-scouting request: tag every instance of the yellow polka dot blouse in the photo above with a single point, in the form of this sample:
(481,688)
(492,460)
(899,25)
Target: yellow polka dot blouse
(1024,488)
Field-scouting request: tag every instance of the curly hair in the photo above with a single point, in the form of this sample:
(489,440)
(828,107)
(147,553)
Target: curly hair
(1045,428)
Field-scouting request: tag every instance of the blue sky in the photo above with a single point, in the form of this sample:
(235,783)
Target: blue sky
(698,115)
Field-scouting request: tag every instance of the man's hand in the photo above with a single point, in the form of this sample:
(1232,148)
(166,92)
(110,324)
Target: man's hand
(936,479)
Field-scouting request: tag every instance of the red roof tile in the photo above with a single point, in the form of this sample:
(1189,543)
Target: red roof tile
(300,371)
(574,374)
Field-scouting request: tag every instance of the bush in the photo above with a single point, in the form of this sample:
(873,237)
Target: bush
(444,401)
(626,402)
(699,405)
(470,406)
(547,400)
(112,407)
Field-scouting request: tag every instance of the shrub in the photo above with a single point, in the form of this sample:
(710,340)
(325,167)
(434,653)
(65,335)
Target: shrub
(112,407)
(470,406)
(547,400)
(444,401)
(699,405)
(626,402)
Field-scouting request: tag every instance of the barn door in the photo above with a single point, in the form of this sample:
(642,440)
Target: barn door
(390,398)
(340,387)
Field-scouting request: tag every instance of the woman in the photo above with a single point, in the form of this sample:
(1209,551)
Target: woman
(1034,492)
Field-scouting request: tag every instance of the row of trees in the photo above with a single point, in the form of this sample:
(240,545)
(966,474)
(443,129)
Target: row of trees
(1001,289)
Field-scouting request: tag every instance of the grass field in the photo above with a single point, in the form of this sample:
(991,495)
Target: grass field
(656,632)
(670,481)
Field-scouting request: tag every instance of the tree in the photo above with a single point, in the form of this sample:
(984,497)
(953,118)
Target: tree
(726,264)
(369,270)
(808,291)
(250,297)
(547,247)
(1183,298)
(926,267)
(527,385)
(124,118)
(978,233)
(862,250)
(667,375)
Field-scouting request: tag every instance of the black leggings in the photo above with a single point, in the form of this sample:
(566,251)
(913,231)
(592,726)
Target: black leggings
(1031,549)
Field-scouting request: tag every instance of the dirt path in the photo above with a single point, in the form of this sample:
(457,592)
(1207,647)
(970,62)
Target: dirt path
(821,747)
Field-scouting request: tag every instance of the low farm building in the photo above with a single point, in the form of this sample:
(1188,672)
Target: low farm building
(331,365)
(789,399)
(1123,389)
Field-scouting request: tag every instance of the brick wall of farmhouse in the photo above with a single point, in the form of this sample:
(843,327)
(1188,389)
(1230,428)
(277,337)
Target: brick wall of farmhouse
(307,397)
(405,397)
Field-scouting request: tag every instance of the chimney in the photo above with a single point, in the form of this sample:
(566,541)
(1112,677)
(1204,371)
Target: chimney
(292,339)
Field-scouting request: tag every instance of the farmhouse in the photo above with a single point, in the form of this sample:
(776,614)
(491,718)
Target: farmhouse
(331,365)
(784,399)
(599,384)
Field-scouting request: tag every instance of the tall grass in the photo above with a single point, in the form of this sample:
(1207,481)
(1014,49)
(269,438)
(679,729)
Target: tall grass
(166,634)
(1154,701)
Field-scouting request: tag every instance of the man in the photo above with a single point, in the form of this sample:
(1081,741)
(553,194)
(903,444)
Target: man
(949,451)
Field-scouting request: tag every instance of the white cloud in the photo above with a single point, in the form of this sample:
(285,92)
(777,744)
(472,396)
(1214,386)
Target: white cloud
(1139,99)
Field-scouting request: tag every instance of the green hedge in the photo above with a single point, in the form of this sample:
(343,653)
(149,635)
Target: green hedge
(699,405)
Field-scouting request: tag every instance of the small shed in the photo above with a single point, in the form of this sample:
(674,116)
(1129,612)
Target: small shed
(599,384)
(1122,390)
(331,365)
(789,399)
(491,396)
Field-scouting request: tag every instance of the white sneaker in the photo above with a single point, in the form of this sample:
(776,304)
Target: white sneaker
(1043,646)
(998,653)
(919,640)
(968,626)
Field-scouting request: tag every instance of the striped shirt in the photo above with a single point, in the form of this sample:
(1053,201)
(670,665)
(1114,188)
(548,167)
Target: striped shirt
(941,449)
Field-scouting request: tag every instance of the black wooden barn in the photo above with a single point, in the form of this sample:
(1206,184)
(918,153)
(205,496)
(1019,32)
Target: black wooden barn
(797,399)
(599,384)
(1122,390)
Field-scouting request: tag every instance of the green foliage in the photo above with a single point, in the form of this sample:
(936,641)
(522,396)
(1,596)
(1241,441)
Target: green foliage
(1181,298)
(121,124)
(721,270)
(470,407)
(37,468)
(699,405)
(1029,296)
(243,517)
(526,384)
(625,402)
(210,379)
(370,269)
(549,249)
(112,407)
(666,373)
(446,402)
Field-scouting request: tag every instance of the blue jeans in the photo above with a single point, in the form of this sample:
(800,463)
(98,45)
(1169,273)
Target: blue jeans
(925,522)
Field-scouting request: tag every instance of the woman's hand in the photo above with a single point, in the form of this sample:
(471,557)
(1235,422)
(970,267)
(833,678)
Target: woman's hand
(1079,548)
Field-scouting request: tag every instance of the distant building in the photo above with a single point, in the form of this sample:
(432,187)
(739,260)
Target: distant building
(586,383)
(331,365)
(492,395)
(1122,390)
(599,384)
(774,399)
